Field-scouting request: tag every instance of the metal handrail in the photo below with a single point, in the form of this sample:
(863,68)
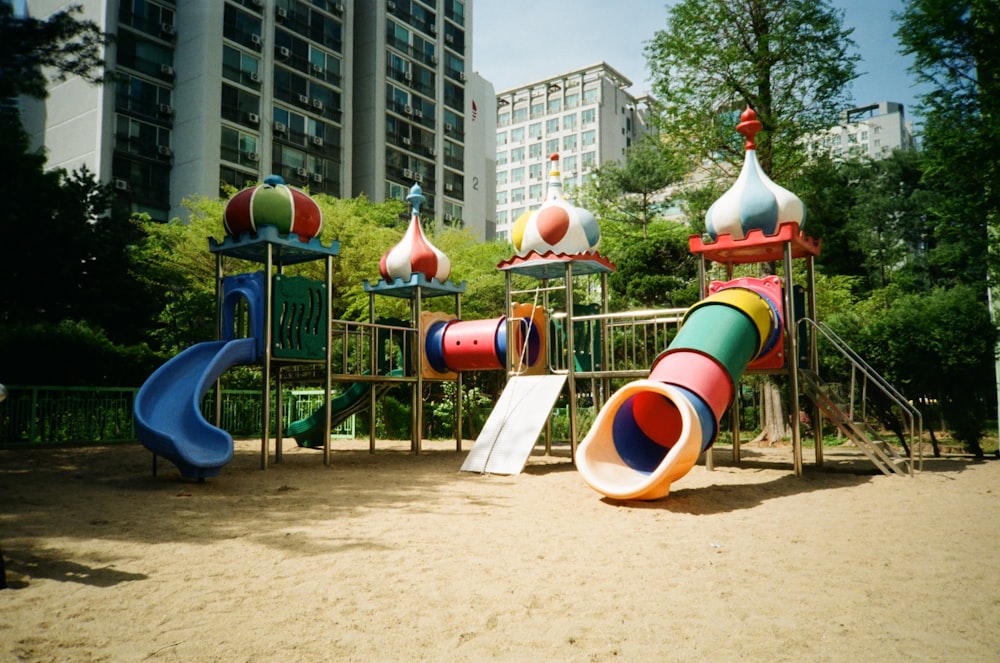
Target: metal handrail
(912,415)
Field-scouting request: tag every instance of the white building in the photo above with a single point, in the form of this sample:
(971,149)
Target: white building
(872,131)
(343,96)
(586,116)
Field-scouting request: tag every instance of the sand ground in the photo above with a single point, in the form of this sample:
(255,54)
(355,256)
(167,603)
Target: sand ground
(396,557)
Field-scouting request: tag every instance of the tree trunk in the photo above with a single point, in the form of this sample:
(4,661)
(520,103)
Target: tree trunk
(774,425)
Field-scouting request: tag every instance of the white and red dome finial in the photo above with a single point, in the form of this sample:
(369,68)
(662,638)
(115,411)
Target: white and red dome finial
(414,254)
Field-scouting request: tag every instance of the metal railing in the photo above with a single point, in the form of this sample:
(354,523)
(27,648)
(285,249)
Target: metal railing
(862,375)
(615,345)
(43,415)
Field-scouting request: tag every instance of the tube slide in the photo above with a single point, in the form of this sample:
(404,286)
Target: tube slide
(651,432)
(167,409)
(477,345)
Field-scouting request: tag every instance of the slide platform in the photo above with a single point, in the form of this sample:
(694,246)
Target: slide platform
(167,409)
(309,432)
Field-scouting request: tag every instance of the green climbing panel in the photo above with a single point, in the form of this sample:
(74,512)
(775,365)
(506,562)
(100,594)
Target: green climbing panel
(299,324)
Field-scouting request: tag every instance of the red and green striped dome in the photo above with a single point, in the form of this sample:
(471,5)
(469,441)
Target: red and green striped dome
(273,203)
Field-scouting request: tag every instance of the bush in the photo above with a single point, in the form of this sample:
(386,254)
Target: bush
(71,354)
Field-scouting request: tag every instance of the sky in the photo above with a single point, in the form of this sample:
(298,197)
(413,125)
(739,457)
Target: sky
(516,42)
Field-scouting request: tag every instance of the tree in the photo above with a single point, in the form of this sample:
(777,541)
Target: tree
(914,341)
(789,60)
(956,52)
(33,50)
(634,191)
(657,271)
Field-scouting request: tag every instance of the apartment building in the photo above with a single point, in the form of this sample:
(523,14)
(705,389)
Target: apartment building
(872,131)
(586,116)
(341,96)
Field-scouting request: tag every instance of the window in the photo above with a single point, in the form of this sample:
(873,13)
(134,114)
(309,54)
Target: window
(141,96)
(569,142)
(503,119)
(520,114)
(569,164)
(501,197)
(589,159)
(240,106)
(240,67)
(535,151)
(555,105)
(535,171)
(517,175)
(588,116)
(139,137)
(588,138)
(535,192)
(517,195)
(517,135)
(501,158)
(535,130)
(569,122)
(552,146)
(501,177)
(552,126)
(537,110)
(573,100)
(517,155)
(239,147)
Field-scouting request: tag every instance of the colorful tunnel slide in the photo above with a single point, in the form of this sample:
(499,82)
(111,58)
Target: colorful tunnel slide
(651,432)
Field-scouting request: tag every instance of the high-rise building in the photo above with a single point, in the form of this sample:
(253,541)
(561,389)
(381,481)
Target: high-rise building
(872,131)
(586,116)
(345,97)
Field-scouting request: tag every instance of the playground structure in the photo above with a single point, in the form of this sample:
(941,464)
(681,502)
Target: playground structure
(685,364)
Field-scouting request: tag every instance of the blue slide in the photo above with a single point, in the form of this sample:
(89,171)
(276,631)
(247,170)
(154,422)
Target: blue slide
(167,409)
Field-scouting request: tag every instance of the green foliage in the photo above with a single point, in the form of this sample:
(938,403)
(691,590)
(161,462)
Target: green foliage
(67,256)
(956,52)
(70,354)
(60,46)
(938,345)
(654,272)
(633,192)
(789,60)
(173,262)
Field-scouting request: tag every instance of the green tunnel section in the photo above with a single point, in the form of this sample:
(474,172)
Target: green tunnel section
(744,317)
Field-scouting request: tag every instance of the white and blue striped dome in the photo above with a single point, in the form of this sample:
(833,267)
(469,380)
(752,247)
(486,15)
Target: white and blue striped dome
(754,202)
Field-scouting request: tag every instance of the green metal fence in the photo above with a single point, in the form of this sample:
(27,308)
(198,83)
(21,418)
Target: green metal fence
(85,415)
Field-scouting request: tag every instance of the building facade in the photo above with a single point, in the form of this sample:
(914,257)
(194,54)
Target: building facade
(872,131)
(346,97)
(586,116)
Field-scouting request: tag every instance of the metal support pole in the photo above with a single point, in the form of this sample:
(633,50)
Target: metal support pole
(375,350)
(814,357)
(328,369)
(268,313)
(219,299)
(458,385)
(793,359)
(418,392)
(570,361)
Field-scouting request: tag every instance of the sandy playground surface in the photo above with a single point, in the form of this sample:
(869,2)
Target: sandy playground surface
(396,557)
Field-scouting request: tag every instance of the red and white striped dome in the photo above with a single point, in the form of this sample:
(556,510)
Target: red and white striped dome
(414,254)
